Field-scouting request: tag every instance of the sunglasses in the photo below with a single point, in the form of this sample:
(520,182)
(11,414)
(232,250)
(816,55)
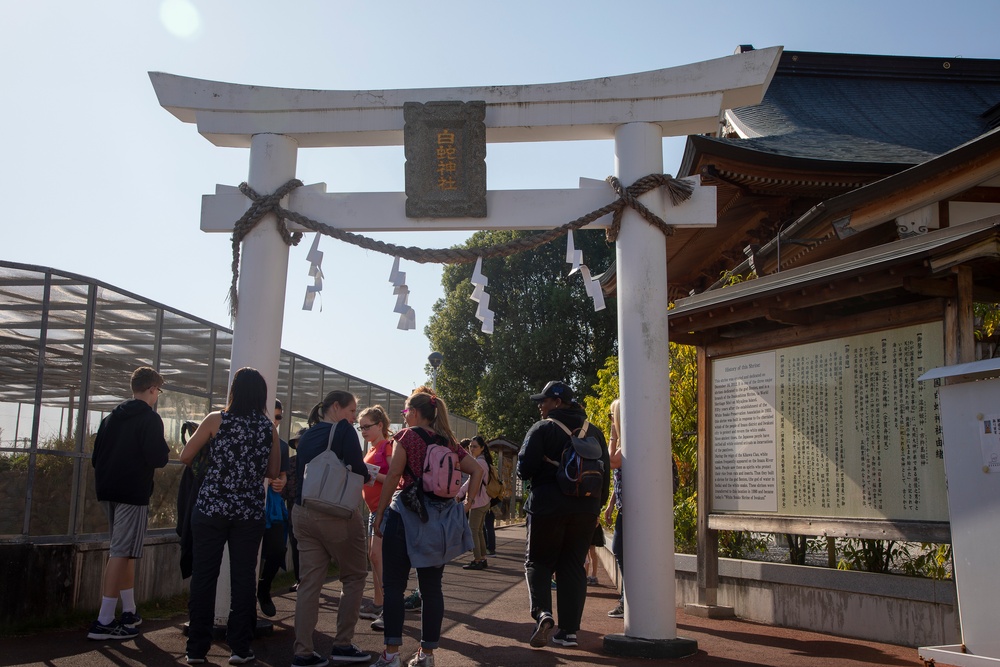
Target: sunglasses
(404,411)
(277,418)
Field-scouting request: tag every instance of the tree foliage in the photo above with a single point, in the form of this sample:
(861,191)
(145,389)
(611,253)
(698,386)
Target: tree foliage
(546,329)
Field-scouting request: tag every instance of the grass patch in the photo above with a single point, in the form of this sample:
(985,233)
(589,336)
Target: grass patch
(158,609)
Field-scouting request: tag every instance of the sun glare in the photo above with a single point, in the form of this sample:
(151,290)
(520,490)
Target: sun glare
(180,18)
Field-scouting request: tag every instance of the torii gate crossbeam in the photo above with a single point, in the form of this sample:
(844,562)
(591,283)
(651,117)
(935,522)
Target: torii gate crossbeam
(636,110)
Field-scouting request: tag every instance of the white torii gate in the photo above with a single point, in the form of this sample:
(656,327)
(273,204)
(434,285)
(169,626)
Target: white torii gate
(636,110)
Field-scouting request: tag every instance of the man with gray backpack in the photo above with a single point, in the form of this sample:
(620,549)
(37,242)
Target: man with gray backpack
(565,460)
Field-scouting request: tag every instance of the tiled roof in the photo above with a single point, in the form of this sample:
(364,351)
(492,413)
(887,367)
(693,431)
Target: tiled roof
(873,109)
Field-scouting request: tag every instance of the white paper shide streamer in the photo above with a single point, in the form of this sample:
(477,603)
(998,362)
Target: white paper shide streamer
(592,285)
(479,295)
(407,317)
(315,258)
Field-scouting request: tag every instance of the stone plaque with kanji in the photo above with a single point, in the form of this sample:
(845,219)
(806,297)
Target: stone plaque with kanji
(445,148)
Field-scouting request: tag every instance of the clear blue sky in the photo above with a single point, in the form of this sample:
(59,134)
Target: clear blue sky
(99,178)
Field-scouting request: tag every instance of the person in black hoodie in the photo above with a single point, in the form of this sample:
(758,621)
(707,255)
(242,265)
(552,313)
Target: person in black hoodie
(128,448)
(560,527)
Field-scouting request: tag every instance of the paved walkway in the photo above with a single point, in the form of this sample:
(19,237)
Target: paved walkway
(486,623)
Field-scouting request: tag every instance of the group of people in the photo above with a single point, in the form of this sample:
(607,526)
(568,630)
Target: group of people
(243,470)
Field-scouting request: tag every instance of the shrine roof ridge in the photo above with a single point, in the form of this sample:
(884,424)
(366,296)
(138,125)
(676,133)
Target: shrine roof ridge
(682,99)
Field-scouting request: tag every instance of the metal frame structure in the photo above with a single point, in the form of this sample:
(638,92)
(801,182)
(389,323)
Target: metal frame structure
(68,345)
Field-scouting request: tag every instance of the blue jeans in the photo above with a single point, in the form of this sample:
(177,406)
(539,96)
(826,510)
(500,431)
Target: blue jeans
(395,572)
(211,534)
(618,547)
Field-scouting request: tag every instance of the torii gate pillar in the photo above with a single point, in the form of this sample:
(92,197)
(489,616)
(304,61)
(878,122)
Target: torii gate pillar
(257,327)
(644,380)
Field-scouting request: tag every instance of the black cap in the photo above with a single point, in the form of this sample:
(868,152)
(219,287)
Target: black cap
(555,389)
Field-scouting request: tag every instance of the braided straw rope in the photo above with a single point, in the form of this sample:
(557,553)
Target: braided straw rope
(628,197)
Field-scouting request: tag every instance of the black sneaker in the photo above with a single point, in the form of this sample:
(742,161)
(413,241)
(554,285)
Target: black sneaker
(131,620)
(191,660)
(540,637)
(349,653)
(314,660)
(564,638)
(114,630)
(413,602)
(265,602)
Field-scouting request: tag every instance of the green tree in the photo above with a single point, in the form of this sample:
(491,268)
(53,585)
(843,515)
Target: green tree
(546,329)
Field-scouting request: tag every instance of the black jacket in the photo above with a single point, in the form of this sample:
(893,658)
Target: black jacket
(128,448)
(545,439)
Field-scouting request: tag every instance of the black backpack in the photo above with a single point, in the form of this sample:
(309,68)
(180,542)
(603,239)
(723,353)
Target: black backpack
(580,470)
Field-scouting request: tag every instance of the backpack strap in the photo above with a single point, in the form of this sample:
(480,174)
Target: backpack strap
(568,432)
(582,429)
(329,441)
(561,425)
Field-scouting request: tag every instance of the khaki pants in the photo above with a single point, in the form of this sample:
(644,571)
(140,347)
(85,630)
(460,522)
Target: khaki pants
(323,538)
(476,518)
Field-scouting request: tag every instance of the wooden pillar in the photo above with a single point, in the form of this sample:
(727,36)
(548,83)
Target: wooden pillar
(708,540)
(959,326)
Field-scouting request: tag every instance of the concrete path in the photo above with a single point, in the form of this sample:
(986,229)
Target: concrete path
(486,623)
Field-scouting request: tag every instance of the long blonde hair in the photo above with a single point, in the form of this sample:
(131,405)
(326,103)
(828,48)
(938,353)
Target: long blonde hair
(432,408)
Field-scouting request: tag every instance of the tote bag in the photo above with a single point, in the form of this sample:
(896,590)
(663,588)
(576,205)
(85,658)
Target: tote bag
(329,486)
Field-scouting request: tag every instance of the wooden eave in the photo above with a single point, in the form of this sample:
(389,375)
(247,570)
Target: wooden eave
(905,280)
(753,201)
(865,216)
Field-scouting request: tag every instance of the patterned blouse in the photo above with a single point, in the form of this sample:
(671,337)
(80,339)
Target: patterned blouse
(238,454)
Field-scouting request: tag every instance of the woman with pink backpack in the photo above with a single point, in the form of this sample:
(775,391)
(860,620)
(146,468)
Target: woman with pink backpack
(421,525)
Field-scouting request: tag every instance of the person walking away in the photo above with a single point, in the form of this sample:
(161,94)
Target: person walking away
(243,450)
(128,449)
(274,544)
(426,535)
(480,505)
(560,526)
(615,504)
(324,538)
(373,423)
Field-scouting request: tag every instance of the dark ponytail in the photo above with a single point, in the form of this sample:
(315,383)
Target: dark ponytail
(337,396)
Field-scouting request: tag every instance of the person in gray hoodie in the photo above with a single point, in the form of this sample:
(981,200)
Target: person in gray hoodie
(129,447)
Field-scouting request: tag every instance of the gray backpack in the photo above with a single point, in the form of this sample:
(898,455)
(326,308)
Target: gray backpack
(329,486)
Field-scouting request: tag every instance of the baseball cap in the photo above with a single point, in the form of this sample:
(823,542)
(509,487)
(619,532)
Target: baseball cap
(555,389)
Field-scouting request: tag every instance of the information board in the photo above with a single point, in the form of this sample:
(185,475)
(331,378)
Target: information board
(838,428)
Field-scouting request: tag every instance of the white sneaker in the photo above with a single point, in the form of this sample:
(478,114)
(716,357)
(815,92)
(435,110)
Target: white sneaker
(384,662)
(421,659)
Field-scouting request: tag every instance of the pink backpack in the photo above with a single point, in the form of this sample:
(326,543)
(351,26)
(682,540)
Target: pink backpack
(441,474)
